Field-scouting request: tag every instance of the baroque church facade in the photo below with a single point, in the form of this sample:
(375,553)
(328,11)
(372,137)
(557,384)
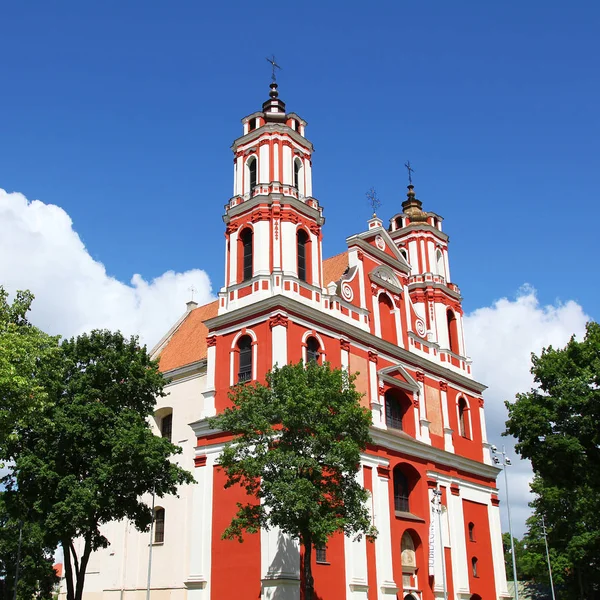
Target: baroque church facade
(385,308)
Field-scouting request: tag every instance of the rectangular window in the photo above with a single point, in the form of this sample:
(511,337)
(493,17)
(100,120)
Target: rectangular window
(321,553)
(393,413)
(166,426)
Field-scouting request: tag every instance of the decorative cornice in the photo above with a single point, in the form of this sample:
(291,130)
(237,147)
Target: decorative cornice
(278,320)
(412,447)
(345,345)
(420,376)
(211,341)
(200,461)
(444,386)
(373,356)
(292,306)
(383,472)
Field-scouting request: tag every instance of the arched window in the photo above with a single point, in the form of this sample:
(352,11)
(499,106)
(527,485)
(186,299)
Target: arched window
(312,350)
(159,525)
(452,331)
(166,426)
(302,239)
(471,532)
(474,567)
(439,259)
(399,223)
(396,406)
(252,172)
(401,491)
(245,360)
(463,418)
(246,240)
(387,319)
(298,175)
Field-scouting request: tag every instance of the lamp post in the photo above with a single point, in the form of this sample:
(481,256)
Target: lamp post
(548,557)
(502,460)
(150,549)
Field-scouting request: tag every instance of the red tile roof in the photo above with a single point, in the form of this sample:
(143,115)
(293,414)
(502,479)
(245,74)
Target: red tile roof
(334,267)
(188,343)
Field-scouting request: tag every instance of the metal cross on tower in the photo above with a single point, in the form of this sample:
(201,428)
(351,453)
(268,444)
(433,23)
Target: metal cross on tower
(274,66)
(192,290)
(410,171)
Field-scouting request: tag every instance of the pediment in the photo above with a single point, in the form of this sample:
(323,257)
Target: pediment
(398,376)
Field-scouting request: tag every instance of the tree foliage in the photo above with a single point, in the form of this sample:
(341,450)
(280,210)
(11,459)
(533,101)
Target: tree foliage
(296,452)
(91,453)
(557,425)
(37,577)
(29,368)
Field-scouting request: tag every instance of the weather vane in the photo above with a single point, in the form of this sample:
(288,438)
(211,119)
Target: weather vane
(410,171)
(373,200)
(192,290)
(274,66)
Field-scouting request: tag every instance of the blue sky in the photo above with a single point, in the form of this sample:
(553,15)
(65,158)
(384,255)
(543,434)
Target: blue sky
(122,113)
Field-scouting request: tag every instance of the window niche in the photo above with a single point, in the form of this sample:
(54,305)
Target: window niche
(244,347)
(159,525)
(313,350)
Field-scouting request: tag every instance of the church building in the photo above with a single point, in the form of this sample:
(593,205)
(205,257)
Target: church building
(386,308)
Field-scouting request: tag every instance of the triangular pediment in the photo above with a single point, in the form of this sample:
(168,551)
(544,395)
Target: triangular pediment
(398,376)
(380,240)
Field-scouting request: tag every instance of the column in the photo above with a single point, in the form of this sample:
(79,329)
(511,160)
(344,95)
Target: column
(278,325)
(355,553)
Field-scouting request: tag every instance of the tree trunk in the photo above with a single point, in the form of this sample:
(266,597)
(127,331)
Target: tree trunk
(309,582)
(82,568)
(68,570)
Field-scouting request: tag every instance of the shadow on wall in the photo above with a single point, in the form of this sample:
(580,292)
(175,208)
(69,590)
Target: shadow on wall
(285,565)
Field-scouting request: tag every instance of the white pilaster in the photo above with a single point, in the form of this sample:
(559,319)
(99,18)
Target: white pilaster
(198,581)
(423,422)
(375,401)
(262,243)
(233,244)
(456,522)
(355,553)
(279,345)
(208,407)
(386,586)
(263,164)
(448,443)
(280,565)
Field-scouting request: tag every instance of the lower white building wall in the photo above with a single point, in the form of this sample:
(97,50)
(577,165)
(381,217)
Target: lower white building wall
(120,572)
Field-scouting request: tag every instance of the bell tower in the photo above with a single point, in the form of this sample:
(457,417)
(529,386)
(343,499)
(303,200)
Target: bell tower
(273,223)
(419,237)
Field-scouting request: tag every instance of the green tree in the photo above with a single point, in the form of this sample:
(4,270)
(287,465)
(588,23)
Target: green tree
(37,577)
(557,425)
(93,455)
(29,369)
(296,452)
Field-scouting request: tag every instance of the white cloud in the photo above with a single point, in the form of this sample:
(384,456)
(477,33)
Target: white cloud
(40,251)
(500,339)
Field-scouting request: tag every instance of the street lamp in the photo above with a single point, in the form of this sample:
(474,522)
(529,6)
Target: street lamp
(548,556)
(503,461)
